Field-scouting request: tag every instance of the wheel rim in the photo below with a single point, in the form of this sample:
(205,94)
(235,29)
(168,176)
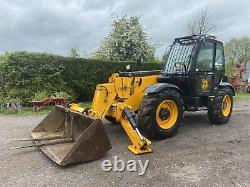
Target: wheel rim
(167,114)
(226,105)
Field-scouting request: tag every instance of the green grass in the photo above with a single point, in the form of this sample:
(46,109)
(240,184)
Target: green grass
(28,111)
(25,111)
(241,96)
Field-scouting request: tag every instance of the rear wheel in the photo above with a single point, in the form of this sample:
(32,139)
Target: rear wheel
(161,114)
(220,109)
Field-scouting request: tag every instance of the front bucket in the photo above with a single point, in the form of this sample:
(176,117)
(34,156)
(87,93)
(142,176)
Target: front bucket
(69,137)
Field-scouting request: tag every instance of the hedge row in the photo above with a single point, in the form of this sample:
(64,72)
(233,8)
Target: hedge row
(23,74)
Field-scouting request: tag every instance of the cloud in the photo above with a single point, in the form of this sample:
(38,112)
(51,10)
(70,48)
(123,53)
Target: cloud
(57,25)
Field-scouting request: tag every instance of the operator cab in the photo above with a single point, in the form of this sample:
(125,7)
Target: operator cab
(195,64)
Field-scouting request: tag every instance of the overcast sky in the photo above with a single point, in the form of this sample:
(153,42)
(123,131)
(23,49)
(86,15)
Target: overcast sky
(58,25)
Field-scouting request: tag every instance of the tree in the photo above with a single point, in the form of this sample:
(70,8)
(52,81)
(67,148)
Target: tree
(200,24)
(237,51)
(74,52)
(126,41)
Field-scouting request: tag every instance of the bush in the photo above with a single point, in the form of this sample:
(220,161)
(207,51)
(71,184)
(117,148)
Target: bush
(83,74)
(23,75)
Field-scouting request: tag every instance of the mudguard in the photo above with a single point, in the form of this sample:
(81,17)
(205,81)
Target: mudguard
(158,87)
(226,84)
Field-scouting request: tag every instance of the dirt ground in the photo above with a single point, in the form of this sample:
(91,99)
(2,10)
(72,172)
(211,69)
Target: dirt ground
(199,155)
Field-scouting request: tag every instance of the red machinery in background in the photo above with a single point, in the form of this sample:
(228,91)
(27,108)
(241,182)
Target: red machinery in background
(38,105)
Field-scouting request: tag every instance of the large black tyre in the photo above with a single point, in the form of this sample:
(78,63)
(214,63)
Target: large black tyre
(220,109)
(154,120)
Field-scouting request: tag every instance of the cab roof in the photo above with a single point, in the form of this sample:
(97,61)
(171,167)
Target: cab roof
(196,38)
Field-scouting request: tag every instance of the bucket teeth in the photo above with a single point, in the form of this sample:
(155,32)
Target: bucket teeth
(37,139)
(89,140)
(58,141)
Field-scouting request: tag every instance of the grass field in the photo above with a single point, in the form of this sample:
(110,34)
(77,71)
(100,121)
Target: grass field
(25,111)
(241,96)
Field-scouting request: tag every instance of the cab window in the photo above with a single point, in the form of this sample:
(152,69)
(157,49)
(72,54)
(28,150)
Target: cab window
(205,57)
(219,57)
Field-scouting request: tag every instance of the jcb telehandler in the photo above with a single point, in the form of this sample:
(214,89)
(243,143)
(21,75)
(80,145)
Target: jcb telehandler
(152,102)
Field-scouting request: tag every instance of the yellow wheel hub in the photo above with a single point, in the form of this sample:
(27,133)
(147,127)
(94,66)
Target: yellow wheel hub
(226,105)
(167,114)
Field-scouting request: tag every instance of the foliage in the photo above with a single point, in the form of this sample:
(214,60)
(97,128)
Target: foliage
(237,51)
(126,41)
(229,68)
(43,94)
(200,24)
(74,52)
(61,95)
(157,60)
(25,76)
(82,75)
(40,95)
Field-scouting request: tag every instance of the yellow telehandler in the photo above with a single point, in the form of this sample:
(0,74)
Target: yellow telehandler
(148,104)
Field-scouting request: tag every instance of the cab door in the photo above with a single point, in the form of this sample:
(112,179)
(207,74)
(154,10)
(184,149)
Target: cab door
(203,72)
(219,66)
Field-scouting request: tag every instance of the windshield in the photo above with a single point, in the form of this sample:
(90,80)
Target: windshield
(179,57)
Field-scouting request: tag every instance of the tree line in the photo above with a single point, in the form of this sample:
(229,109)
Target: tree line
(128,41)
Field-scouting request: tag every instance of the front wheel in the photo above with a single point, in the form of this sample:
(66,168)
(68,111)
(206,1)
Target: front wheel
(220,109)
(161,114)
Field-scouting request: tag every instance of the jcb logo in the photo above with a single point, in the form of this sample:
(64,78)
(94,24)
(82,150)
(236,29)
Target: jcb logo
(204,84)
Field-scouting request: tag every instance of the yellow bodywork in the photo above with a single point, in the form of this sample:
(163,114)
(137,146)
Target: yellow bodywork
(111,98)
(76,107)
